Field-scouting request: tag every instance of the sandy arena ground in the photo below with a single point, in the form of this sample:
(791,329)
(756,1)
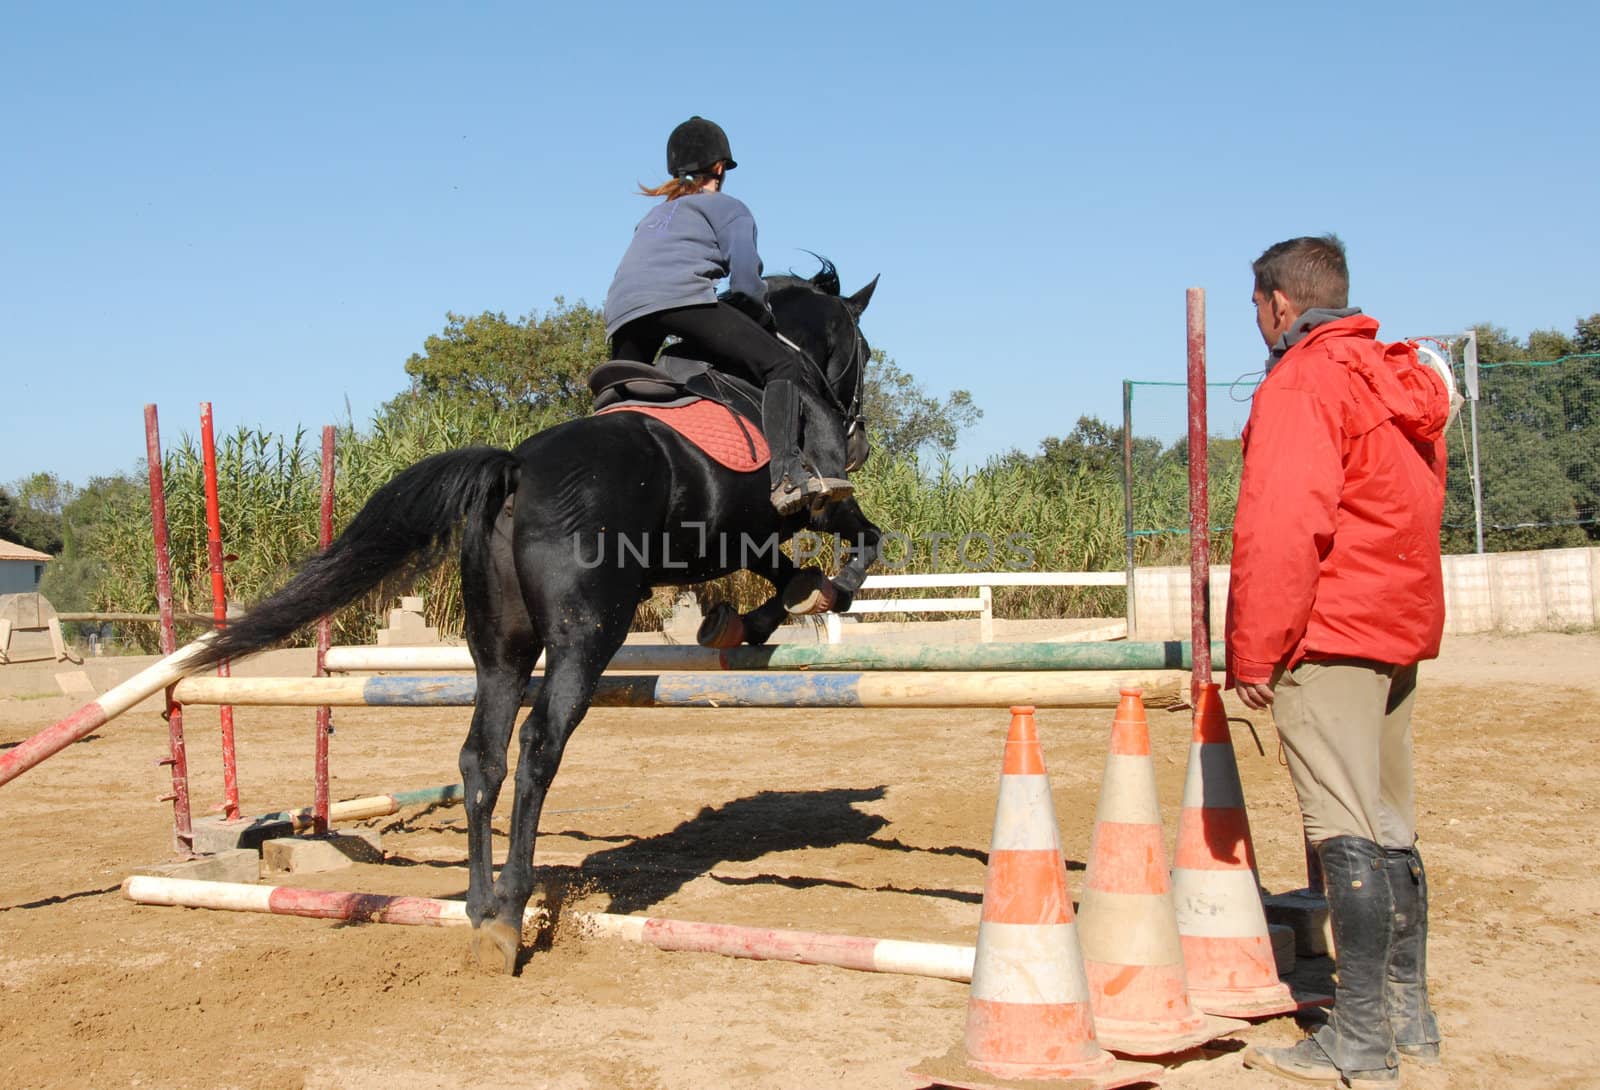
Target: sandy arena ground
(872,823)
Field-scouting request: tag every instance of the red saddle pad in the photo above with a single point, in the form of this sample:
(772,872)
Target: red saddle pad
(715,429)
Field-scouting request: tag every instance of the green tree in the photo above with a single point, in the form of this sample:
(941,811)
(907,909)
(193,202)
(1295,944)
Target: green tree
(1548,344)
(534,369)
(904,419)
(105,529)
(1586,334)
(30,511)
(1538,423)
(1496,345)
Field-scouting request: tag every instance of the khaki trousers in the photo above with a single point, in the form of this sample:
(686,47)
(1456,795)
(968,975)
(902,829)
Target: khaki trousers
(1346,730)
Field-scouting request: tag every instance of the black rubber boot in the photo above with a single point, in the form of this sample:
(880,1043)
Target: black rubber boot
(1358,1037)
(795,482)
(1416,1030)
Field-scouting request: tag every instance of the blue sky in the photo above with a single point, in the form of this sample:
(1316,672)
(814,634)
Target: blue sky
(271,206)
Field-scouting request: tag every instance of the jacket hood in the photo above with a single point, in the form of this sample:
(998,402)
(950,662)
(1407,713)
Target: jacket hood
(1304,326)
(1391,383)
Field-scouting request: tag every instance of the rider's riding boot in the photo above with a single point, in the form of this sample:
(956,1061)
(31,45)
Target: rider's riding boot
(1356,1046)
(795,481)
(1416,1031)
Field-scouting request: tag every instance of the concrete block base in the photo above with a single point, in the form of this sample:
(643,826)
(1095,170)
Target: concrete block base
(314,854)
(1306,911)
(233,865)
(212,834)
(1283,944)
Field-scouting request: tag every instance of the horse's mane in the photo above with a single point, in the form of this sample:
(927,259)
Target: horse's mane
(824,281)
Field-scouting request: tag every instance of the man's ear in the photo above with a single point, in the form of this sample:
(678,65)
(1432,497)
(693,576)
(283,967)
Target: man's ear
(1284,310)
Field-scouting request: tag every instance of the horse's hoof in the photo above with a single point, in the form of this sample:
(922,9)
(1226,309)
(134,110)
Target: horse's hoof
(722,628)
(499,954)
(809,592)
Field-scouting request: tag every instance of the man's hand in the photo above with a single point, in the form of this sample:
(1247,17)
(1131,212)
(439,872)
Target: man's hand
(1254,695)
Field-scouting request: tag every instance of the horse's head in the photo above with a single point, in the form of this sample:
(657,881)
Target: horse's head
(827,328)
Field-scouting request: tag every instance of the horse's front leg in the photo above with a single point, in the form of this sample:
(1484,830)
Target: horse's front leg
(813,592)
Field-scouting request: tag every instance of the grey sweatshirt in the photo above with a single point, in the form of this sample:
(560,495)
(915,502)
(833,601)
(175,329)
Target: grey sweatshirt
(679,251)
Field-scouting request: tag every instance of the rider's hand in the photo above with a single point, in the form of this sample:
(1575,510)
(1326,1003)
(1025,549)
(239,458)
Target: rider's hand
(758,311)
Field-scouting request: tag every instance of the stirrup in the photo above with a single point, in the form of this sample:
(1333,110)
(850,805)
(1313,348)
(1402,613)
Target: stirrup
(833,488)
(789,497)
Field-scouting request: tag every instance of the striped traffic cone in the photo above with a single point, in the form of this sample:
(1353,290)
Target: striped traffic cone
(1226,949)
(1131,949)
(1028,1016)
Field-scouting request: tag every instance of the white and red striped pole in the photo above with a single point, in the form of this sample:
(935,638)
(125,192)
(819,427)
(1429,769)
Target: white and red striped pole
(92,716)
(763,944)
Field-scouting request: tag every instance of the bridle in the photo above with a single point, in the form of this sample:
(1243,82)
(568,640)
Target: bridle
(853,415)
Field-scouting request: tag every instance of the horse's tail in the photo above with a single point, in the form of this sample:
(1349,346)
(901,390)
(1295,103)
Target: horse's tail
(407,525)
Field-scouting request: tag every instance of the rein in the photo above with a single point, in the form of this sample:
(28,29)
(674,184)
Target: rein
(852,414)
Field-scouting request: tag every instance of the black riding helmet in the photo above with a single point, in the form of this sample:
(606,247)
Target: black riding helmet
(696,146)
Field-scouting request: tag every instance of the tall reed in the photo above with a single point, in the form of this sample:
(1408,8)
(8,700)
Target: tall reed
(1009,514)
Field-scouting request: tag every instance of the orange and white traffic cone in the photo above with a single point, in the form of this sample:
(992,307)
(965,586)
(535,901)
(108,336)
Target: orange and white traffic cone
(1226,948)
(1128,924)
(1028,1017)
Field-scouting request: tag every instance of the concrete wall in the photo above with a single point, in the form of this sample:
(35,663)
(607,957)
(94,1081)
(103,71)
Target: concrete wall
(1522,592)
(20,576)
(1506,592)
(1161,603)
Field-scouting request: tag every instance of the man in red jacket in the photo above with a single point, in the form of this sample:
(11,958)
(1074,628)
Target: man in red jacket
(1336,594)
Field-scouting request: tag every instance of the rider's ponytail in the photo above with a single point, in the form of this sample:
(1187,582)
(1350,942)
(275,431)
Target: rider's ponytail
(678,187)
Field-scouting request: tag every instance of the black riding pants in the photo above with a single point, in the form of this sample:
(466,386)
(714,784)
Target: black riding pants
(732,340)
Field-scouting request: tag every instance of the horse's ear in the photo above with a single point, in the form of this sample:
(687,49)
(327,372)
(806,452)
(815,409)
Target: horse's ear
(858,302)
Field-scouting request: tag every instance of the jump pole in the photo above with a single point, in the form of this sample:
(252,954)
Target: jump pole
(1056,689)
(177,758)
(319,800)
(1199,495)
(219,608)
(1110,655)
(96,714)
(927,959)
(371,806)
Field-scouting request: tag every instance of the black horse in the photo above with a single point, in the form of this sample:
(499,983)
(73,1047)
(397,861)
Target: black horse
(560,540)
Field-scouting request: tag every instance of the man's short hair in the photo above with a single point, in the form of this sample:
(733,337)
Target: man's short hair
(1310,271)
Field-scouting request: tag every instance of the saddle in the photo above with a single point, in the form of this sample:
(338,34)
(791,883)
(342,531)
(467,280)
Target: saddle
(718,413)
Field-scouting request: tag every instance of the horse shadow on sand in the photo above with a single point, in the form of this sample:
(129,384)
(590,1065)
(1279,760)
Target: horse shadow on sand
(640,872)
(637,873)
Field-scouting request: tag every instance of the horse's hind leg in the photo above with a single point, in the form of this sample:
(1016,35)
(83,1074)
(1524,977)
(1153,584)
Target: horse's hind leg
(724,626)
(590,626)
(500,635)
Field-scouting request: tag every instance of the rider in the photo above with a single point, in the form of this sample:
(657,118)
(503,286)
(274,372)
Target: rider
(665,285)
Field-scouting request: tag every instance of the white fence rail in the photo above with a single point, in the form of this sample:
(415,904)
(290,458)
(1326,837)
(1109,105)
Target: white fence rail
(981,603)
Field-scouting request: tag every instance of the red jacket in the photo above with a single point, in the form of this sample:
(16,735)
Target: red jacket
(1336,539)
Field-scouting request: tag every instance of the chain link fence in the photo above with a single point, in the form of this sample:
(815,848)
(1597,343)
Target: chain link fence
(1524,451)
(1533,434)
